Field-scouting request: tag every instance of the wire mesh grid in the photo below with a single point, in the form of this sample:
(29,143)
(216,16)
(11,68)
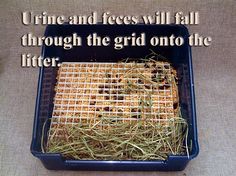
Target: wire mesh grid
(87,92)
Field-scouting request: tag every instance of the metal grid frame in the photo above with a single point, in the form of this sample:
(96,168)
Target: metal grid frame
(85,92)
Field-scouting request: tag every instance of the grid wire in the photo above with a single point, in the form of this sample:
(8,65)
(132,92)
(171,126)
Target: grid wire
(87,92)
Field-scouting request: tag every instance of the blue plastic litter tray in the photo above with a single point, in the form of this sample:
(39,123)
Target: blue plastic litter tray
(179,56)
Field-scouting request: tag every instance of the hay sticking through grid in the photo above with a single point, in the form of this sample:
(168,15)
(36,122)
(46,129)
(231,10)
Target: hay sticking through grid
(117,111)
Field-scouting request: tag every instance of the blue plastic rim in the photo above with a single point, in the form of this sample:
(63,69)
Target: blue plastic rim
(179,56)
